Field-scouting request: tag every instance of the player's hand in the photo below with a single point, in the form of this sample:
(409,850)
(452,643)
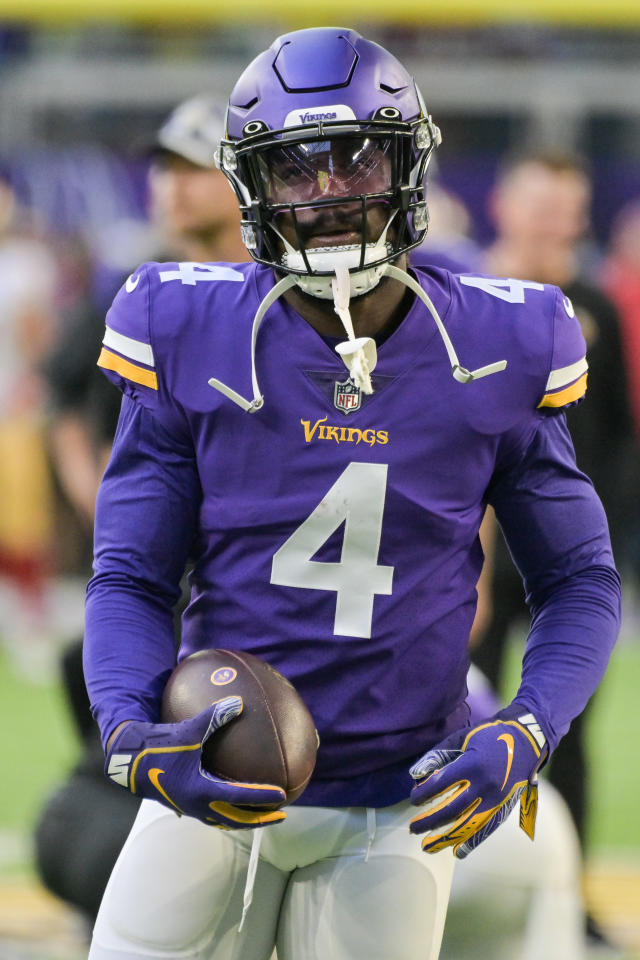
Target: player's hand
(162,761)
(469,784)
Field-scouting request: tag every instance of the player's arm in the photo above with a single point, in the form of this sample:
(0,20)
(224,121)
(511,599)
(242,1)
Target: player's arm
(146,512)
(146,521)
(557,532)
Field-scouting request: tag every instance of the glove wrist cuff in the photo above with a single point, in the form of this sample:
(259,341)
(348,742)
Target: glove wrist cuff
(528,721)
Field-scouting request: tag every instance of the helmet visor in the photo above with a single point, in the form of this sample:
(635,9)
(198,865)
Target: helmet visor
(311,170)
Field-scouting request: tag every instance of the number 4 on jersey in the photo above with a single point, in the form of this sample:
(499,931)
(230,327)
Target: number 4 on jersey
(512,291)
(357,499)
(189,273)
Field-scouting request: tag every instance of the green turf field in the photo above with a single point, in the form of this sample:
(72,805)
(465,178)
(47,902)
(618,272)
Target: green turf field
(37,747)
(613,736)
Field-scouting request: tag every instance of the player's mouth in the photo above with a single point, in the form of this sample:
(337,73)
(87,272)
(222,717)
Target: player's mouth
(318,229)
(334,238)
(333,231)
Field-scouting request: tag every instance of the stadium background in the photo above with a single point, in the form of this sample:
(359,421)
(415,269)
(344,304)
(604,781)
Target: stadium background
(81,91)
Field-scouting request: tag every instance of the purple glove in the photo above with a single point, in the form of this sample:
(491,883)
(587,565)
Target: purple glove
(469,784)
(161,761)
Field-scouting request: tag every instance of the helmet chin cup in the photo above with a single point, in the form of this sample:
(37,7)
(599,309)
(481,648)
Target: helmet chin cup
(326,258)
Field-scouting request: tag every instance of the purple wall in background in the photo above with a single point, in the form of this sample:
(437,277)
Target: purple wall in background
(471,179)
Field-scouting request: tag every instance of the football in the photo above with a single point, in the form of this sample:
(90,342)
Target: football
(274,740)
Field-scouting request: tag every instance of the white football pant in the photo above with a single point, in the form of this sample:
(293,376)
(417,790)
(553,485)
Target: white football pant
(331,884)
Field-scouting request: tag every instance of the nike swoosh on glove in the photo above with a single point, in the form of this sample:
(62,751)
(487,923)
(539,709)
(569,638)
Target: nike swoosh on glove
(469,784)
(161,761)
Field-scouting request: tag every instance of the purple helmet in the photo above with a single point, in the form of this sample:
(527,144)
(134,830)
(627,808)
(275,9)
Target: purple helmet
(327,147)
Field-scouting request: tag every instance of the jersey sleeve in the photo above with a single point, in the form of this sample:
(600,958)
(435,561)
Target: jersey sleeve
(556,531)
(127,357)
(146,521)
(567,379)
(135,354)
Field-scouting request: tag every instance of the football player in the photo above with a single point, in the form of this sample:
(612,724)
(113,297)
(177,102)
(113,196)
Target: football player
(320,432)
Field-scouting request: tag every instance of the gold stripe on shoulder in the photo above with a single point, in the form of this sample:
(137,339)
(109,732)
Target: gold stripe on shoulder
(110,361)
(568,395)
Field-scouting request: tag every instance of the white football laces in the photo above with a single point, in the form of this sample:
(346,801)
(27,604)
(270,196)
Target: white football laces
(359,354)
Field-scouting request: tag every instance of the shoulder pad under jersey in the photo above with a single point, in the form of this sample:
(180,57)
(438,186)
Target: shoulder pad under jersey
(567,380)
(127,356)
(539,321)
(148,319)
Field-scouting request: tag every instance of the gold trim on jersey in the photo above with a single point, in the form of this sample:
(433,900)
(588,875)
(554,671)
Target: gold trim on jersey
(110,361)
(568,395)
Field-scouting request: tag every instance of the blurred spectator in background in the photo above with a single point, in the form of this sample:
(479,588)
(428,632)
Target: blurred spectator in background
(621,280)
(28,296)
(448,243)
(540,208)
(191,203)
(197,218)
(83,413)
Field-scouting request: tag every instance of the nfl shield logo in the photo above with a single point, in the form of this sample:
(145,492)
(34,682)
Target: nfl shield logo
(346,396)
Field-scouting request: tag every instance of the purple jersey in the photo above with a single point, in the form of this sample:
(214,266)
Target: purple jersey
(335,534)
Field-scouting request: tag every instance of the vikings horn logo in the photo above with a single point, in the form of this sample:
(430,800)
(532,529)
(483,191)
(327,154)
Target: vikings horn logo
(347,397)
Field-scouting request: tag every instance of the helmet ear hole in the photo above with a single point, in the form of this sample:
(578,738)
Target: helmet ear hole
(253,127)
(387,113)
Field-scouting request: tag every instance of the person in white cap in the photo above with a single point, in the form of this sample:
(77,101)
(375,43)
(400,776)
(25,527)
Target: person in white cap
(190,200)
